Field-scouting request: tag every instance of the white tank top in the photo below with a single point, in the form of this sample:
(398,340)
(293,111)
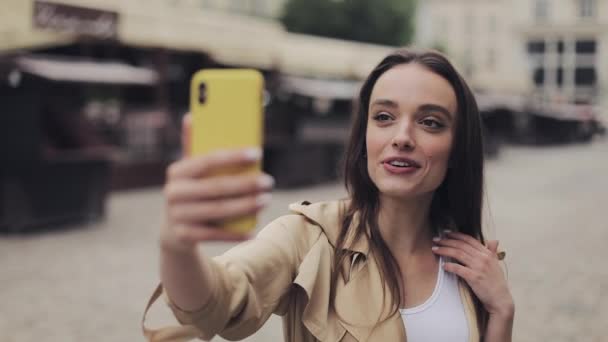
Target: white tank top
(442,317)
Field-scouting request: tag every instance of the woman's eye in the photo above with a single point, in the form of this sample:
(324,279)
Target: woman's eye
(382,117)
(431,123)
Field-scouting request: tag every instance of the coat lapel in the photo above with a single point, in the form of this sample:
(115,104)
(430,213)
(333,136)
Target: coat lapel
(313,277)
(361,311)
(362,308)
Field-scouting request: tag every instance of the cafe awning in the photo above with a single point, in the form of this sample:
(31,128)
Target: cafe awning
(229,38)
(311,56)
(320,88)
(78,70)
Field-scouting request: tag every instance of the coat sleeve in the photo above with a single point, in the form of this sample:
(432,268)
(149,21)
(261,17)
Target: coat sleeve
(251,281)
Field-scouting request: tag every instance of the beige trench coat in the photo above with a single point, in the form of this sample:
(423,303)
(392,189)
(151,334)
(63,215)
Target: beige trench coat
(286,270)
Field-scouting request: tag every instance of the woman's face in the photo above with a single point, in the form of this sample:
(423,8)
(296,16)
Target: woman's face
(411,123)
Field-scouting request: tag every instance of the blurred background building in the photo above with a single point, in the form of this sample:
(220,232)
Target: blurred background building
(262,8)
(94,90)
(553,50)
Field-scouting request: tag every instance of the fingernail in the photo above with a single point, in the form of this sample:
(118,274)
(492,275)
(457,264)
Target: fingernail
(265,182)
(263,199)
(436,239)
(447,231)
(253,154)
(434,248)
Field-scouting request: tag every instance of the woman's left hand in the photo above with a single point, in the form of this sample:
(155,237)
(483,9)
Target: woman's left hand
(478,266)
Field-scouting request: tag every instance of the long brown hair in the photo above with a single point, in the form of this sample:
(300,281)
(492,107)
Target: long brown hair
(457,202)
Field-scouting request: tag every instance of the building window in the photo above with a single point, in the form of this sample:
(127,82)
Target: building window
(585,76)
(585,46)
(537,46)
(541,10)
(587,8)
(560,77)
(539,76)
(560,46)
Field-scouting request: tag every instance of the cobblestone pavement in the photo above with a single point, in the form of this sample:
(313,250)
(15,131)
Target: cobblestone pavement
(548,206)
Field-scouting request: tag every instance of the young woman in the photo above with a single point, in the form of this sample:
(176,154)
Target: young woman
(402,258)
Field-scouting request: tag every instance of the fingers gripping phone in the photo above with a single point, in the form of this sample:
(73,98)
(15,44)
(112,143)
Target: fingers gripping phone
(227,113)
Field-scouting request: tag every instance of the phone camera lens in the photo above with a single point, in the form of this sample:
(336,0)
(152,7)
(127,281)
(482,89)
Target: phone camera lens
(202,93)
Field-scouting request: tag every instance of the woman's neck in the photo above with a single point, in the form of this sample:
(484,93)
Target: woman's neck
(405,225)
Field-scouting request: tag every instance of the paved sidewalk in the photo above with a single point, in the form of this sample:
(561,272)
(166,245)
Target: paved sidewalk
(548,208)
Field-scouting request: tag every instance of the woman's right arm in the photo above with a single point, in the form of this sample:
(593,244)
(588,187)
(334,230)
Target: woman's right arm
(195,199)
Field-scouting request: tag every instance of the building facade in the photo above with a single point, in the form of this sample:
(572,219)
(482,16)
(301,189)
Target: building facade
(262,8)
(566,42)
(553,49)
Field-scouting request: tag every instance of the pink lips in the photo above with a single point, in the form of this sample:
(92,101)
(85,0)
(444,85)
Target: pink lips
(412,167)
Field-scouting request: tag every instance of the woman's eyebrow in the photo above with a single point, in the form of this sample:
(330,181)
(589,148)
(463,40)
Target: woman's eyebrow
(429,107)
(385,102)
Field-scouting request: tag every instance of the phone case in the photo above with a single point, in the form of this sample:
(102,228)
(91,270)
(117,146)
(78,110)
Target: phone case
(227,113)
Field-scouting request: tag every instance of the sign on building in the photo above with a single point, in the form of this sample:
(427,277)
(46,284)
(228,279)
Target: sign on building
(75,20)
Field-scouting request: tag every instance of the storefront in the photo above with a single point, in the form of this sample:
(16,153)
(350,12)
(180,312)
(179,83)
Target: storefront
(116,78)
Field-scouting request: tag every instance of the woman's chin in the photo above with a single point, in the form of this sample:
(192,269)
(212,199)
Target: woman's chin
(398,192)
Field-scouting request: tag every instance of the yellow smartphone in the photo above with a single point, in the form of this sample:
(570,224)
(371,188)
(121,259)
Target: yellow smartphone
(227,113)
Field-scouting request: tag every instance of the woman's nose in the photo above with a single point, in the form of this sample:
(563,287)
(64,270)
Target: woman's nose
(404,138)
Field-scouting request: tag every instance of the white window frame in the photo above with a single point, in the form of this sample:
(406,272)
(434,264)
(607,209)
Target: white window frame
(541,10)
(587,8)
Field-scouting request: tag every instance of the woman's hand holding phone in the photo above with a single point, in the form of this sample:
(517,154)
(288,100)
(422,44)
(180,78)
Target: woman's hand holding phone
(197,199)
